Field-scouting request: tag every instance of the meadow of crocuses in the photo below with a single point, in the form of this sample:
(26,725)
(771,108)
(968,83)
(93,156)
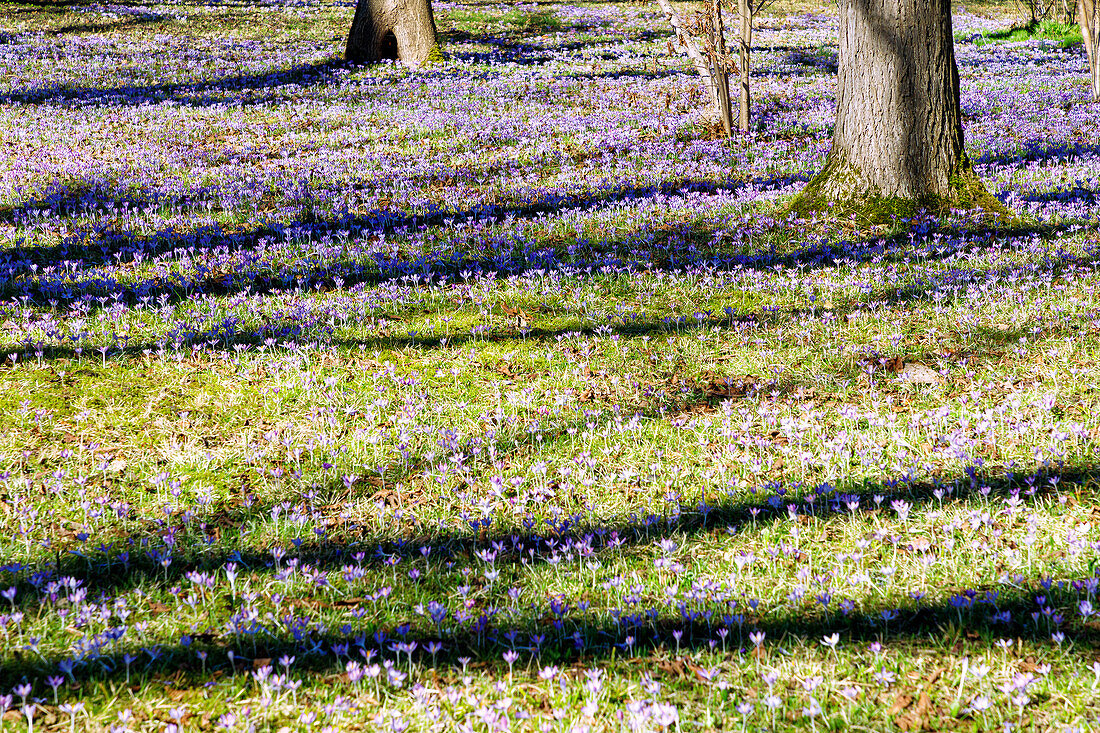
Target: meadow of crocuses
(505,396)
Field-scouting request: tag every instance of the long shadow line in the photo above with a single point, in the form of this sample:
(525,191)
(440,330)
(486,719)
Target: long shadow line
(1077,194)
(1040,150)
(122,24)
(572,635)
(184,92)
(223,334)
(105,244)
(822,502)
(66,202)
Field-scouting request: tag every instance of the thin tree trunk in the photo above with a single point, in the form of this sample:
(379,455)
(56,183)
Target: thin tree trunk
(721,76)
(745,10)
(690,50)
(1088,17)
(898,140)
(393,29)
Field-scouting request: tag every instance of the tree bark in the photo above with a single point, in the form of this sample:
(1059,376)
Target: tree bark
(745,11)
(898,141)
(393,29)
(1088,16)
(718,66)
(683,39)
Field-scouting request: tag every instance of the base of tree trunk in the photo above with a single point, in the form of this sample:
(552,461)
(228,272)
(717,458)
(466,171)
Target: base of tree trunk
(897,143)
(401,30)
(836,191)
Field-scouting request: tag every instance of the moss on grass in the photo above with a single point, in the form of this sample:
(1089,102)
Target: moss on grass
(435,56)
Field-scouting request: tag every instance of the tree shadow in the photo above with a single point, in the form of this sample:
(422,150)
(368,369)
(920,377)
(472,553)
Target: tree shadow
(1077,194)
(640,74)
(87,252)
(43,4)
(815,62)
(118,25)
(513,50)
(192,94)
(552,630)
(1006,59)
(1040,150)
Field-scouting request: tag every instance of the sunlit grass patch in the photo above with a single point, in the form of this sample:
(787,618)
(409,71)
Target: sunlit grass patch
(1064,34)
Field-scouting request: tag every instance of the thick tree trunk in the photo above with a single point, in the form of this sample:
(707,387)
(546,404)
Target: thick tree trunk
(393,29)
(1088,16)
(898,141)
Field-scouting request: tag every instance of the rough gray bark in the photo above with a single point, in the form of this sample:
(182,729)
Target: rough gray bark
(1088,16)
(898,141)
(393,29)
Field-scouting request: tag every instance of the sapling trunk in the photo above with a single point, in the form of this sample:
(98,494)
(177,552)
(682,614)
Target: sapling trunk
(710,70)
(718,65)
(690,50)
(745,10)
(1088,17)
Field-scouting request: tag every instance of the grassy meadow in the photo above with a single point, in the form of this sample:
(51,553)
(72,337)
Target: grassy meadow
(504,395)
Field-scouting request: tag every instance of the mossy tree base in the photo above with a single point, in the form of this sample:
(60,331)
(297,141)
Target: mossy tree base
(898,140)
(841,190)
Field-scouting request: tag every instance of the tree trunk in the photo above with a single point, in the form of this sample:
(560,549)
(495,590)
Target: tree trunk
(1088,16)
(683,39)
(718,67)
(898,141)
(393,29)
(745,10)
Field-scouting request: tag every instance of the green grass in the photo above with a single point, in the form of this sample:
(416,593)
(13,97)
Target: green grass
(711,471)
(474,21)
(548,394)
(1044,30)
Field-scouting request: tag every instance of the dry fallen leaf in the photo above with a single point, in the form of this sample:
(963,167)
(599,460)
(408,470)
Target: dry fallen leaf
(900,703)
(915,718)
(919,374)
(672,667)
(920,544)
